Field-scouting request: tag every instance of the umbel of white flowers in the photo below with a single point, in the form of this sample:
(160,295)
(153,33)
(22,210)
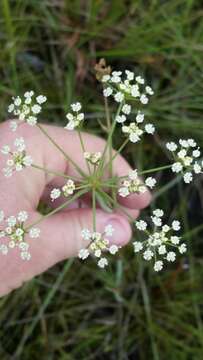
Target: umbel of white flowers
(160,244)
(13,228)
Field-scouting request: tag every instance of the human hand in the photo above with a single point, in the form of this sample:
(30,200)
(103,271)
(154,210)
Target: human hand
(61,233)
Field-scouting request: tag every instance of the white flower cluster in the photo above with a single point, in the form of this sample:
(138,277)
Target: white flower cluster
(162,243)
(126,85)
(75,117)
(66,190)
(133,184)
(26,109)
(186,154)
(17,158)
(93,158)
(127,89)
(14,230)
(134,131)
(98,243)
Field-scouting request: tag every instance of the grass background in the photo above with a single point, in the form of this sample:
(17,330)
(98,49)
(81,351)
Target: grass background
(128,312)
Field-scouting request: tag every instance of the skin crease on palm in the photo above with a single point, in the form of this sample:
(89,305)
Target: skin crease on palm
(60,236)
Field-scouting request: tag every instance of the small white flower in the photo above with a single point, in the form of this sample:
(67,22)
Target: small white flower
(107,92)
(171,256)
(4,249)
(139,117)
(141,225)
(68,188)
(158,266)
(41,99)
(32,120)
(97,253)
(138,246)
(149,90)
(196,153)
(135,91)
(17,101)
(13,125)
(158,213)
(139,79)
(149,128)
(55,194)
(105,78)
(109,230)
(150,182)
(144,99)
(156,220)
(162,250)
(175,240)
(171,146)
(25,255)
(12,244)
(102,262)
(165,228)
(197,168)
(176,225)
(116,77)
(19,143)
(29,94)
(120,118)
(83,254)
(76,107)
(11,108)
(11,221)
(113,249)
(123,191)
(5,150)
(126,109)
(148,255)
(22,216)
(133,131)
(119,97)
(86,234)
(76,118)
(182,248)
(23,246)
(36,109)
(130,75)
(191,142)
(34,232)
(177,167)
(187,177)
(133,174)
(27,161)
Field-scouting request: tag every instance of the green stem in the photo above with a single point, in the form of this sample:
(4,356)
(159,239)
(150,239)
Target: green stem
(83,149)
(117,152)
(108,121)
(94,209)
(76,196)
(116,204)
(100,167)
(61,150)
(155,169)
(51,172)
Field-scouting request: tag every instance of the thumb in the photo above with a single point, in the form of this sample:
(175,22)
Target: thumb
(60,238)
(62,232)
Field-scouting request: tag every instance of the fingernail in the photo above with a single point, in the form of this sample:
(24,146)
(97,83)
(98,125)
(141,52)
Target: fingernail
(122,230)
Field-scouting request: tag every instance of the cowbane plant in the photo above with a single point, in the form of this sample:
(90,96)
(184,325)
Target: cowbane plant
(128,95)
